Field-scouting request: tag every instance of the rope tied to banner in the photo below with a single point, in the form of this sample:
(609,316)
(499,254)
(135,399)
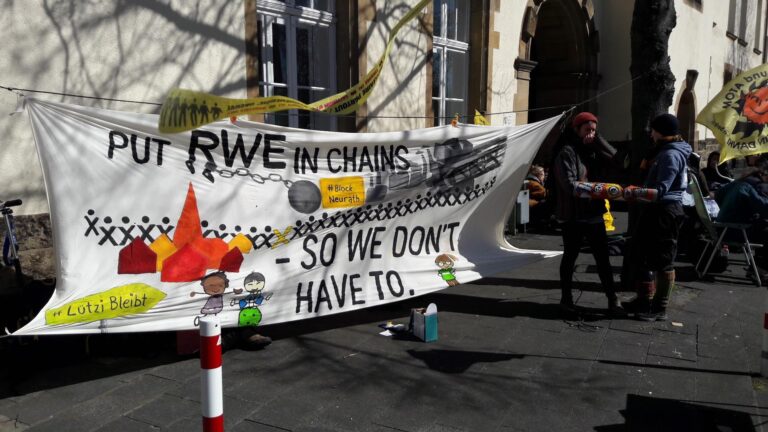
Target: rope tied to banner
(569,108)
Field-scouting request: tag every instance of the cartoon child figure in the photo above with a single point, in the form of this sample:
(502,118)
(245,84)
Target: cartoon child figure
(214,285)
(445,262)
(250,314)
(254,284)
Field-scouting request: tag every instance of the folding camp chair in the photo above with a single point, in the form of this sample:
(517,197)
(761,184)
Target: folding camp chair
(717,232)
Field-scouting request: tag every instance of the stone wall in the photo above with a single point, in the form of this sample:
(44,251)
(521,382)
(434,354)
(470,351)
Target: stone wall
(36,254)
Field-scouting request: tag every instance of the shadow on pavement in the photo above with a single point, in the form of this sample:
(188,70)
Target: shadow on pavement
(33,364)
(453,361)
(542,284)
(645,413)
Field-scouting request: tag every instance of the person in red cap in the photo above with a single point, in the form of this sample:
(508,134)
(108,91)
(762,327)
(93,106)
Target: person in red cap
(583,156)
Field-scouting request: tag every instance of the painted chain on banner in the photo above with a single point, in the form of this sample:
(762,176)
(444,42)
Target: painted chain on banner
(185,110)
(738,115)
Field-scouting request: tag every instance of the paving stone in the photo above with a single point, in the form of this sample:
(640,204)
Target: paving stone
(670,362)
(505,361)
(126,424)
(236,410)
(254,426)
(46,405)
(164,410)
(108,407)
(722,388)
(664,381)
(615,350)
(737,364)
(632,326)
(8,424)
(189,390)
(578,344)
(282,413)
(187,424)
(178,371)
(673,345)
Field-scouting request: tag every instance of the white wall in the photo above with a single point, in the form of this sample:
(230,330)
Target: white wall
(698,42)
(135,50)
(508,22)
(401,90)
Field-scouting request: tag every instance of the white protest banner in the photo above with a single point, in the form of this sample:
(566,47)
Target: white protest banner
(263,224)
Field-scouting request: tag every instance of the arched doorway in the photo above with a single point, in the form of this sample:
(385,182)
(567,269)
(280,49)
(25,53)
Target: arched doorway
(558,58)
(557,66)
(686,109)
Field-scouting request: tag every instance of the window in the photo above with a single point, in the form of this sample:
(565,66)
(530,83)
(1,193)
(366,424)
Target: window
(737,20)
(743,20)
(732,17)
(758,25)
(298,57)
(450,59)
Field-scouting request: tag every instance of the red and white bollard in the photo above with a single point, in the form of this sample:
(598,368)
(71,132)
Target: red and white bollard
(764,353)
(212,399)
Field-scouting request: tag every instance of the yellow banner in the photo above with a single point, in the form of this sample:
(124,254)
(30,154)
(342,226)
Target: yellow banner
(343,192)
(480,120)
(738,115)
(120,301)
(185,110)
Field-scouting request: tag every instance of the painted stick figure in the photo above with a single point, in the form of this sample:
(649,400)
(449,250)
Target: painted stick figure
(214,285)
(254,283)
(445,262)
(250,314)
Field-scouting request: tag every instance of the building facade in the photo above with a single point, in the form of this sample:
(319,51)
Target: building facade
(517,61)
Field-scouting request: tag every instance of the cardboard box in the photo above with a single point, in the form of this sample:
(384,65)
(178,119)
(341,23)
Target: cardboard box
(424,323)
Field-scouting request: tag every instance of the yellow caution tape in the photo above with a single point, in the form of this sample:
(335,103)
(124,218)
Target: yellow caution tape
(185,110)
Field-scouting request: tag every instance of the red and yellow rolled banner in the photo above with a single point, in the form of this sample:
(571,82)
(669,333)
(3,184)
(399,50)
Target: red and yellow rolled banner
(185,110)
(591,190)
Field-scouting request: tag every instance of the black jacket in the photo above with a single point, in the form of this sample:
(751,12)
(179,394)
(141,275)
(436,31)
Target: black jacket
(576,162)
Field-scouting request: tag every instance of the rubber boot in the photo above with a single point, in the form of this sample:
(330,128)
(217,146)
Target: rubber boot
(645,287)
(665,282)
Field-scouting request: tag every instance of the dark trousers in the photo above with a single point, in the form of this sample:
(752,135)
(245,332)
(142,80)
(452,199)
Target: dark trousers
(574,235)
(657,234)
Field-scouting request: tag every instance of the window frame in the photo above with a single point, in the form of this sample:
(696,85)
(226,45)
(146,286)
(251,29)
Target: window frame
(442,45)
(759,27)
(270,12)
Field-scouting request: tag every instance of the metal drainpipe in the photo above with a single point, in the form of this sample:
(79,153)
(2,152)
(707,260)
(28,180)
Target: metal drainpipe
(765,35)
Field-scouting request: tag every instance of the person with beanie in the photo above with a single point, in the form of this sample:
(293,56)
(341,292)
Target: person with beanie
(583,156)
(659,228)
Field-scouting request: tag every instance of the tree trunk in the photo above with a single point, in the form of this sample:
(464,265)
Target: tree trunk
(652,92)
(654,85)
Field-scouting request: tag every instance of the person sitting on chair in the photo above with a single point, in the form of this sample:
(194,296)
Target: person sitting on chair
(537,194)
(742,202)
(717,175)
